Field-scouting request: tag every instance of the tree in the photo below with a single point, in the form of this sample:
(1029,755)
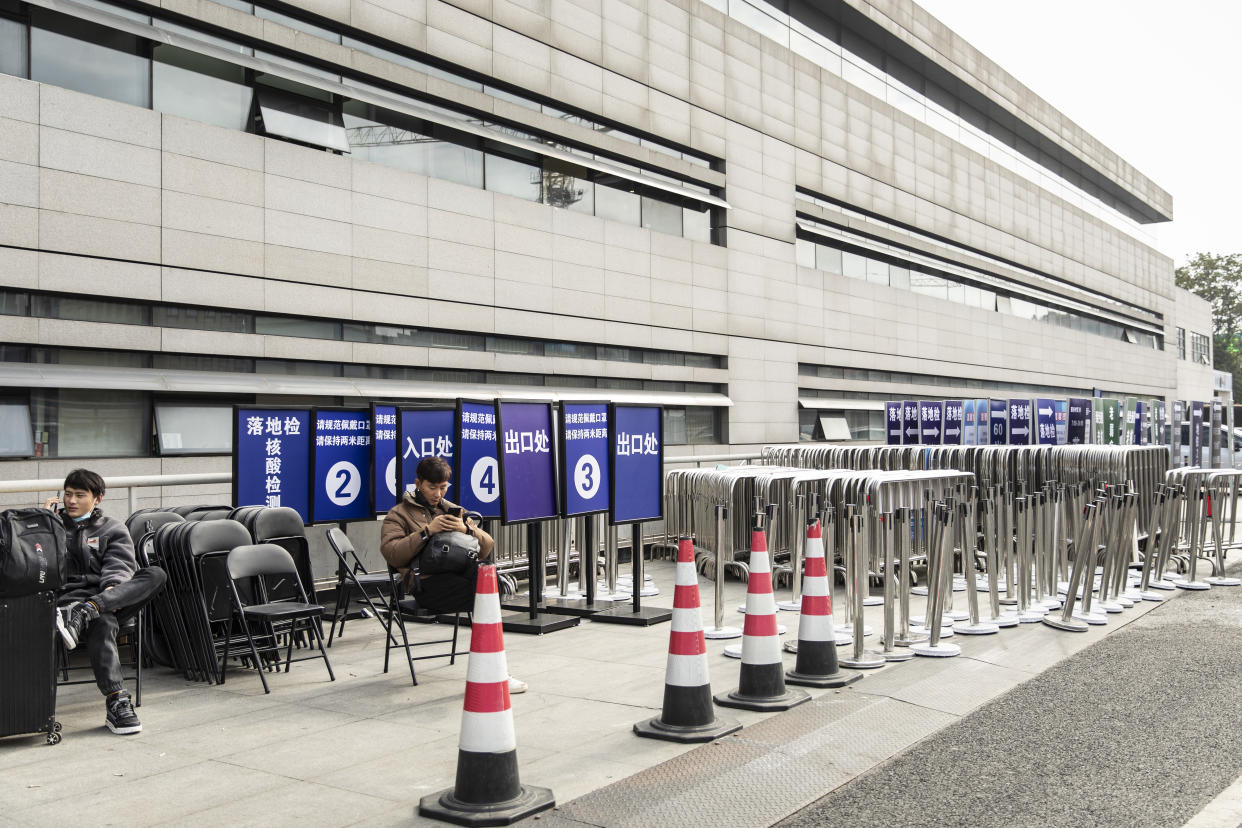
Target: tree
(1218,279)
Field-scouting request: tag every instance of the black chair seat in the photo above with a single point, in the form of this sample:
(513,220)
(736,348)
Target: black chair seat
(378,579)
(284,609)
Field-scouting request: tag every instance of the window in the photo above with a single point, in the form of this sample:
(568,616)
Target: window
(568,187)
(380,334)
(573,350)
(90,310)
(696,224)
(512,345)
(300,368)
(291,326)
(12,47)
(203,319)
(200,88)
(192,362)
(661,216)
(617,205)
(14,303)
(512,177)
(1181,343)
(301,119)
(87,58)
(16,436)
(854,266)
(1200,349)
(91,423)
(194,429)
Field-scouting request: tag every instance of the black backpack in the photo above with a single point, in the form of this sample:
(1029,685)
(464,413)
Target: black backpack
(33,555)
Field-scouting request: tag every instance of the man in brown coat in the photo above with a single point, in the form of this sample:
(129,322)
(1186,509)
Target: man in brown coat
(408,526)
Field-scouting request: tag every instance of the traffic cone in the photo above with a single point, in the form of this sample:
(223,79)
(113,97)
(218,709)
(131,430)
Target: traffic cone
(761,685)
(688,715)
(488,791)
(817,664)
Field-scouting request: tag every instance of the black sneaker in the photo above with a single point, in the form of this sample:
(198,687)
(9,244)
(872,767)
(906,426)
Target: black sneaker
(121,716)
(71,622)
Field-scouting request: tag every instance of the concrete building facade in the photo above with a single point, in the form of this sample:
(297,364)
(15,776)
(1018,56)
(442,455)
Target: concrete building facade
(759,215)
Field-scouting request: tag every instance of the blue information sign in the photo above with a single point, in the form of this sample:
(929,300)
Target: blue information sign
(953,420)
(1140,423)
(1045,422)
(477,470)
(383,457)
(909,422)
(998,421)
(637,442)
(527,462)
(584,458)
(983,430)
(1078,418)
(970,431)
(892,423)
(341,465)
(271,458)
(1060,410)
(423,432)
(931,415)
(1019,422)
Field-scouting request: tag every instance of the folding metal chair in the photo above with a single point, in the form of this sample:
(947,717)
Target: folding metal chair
(260,562)
(132,631)
(398,604)
(353,579)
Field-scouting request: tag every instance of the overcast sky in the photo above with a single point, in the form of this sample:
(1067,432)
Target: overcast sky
(1159,83)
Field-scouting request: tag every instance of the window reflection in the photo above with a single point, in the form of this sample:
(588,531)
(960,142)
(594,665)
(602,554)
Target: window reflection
(12,47)
(617,205)
(661,216)
(87,58)
(200,88)
(512,177)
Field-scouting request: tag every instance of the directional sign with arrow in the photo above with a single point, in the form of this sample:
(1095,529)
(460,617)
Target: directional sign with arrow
(1019,422)
(909,423)
(953,422)
(1045,424)
(931,414)
(892,423)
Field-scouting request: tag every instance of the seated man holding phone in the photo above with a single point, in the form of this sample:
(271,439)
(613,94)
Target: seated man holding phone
(408,532)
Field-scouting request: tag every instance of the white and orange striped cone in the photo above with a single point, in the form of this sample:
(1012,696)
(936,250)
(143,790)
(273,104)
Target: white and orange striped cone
(488,791)
(761,685)
(817,664)
(688,715)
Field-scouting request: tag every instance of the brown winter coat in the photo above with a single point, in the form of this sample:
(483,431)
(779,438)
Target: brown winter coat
(401,537)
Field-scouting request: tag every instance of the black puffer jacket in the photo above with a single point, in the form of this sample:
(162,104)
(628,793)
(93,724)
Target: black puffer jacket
(101,552)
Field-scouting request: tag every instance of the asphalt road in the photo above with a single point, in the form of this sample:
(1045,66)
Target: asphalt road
(1142,728)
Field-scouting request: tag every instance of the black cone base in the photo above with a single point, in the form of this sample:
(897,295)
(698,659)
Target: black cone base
(838,679)
(656,729)
(445,806)
(817,666)
(790,698)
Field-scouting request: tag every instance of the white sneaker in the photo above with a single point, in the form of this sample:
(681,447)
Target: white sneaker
(516,686)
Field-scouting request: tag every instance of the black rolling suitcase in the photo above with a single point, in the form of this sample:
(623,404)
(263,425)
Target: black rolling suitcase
(28,666)
(32,569)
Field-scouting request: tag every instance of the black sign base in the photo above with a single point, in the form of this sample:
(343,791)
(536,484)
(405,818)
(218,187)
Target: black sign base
(576,606)
(623,613)
(542,623)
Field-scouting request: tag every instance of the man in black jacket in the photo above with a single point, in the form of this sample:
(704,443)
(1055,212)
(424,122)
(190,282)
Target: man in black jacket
(105,588)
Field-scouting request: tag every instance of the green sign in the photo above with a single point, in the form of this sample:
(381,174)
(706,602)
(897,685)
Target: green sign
(1112,424)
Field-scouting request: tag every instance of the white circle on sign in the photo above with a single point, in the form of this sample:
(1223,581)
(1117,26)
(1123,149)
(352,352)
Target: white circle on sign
(485,480)
(390,477)
(343,483)
(586,476)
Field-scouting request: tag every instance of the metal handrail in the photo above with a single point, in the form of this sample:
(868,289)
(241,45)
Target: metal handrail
(139,481)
